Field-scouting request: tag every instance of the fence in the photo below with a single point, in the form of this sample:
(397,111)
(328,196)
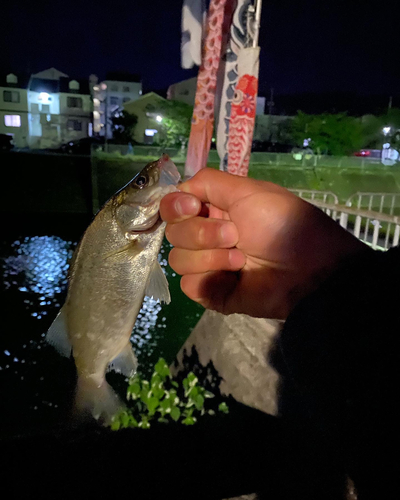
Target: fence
(388,203)
(379,229)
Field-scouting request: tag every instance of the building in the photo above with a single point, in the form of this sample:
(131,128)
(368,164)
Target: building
(14,108)
(110,96)
(47,111)
(185,91)
(149,119)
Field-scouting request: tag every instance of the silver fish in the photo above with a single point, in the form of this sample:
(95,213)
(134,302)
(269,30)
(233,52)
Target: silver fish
(113,268)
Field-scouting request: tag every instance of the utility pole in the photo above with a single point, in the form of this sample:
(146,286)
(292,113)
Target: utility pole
(271,103)
(390,103)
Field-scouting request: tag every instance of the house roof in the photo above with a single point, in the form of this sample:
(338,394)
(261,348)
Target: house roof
(61,85)
(22,82)
(150,96)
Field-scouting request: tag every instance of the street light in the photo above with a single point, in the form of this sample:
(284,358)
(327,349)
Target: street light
(159,118)
(386,130)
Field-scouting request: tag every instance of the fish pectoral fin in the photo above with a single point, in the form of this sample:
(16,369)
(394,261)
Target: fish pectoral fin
(125,363)
(131,249)
(57,334)
(157,285)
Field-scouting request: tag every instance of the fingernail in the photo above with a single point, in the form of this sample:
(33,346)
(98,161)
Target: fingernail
(229,235)
(187,205)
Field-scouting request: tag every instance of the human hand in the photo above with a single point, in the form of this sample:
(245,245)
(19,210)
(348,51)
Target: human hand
(247,246)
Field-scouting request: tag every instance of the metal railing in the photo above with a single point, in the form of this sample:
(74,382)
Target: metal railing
(387,203)
(379,230)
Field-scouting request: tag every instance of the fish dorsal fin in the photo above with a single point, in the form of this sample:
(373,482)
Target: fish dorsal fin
(57,335)
(125,363)
(157,285)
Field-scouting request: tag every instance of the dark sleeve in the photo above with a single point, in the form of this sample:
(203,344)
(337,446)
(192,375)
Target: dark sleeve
(338,357)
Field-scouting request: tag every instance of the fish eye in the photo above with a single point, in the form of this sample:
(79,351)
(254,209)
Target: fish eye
(141,181)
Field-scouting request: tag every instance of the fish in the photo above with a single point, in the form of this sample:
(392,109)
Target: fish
(113,268)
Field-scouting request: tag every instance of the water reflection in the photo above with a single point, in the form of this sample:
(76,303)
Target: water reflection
(38,267)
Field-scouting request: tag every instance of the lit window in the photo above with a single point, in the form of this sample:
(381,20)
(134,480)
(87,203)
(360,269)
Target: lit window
(11,96)
(126,89)
(74,125)
(74,102)
(12,120)
(114,100)
(150,132)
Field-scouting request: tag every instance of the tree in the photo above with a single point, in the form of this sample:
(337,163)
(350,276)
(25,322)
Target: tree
(373,129)
(123,126)
(175,124)
(334,134)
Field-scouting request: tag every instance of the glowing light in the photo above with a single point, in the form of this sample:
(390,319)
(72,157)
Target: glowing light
(96,101)
(96,115)
(159,118)
(96,88)
(150,132)
(103,86)
(44,96)
(386,130)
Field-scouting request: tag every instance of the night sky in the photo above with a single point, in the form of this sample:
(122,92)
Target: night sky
(306,46)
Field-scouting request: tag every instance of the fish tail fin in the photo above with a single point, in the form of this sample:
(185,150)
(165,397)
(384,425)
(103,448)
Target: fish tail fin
(96,399)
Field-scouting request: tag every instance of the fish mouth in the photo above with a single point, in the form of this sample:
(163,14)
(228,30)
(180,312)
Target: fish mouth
(153,224)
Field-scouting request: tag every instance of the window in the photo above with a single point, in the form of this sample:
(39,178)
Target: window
(34,107)
(114,100)
(45,108)
(74,102)
(74,125)
(114,88)
(126,99)
(126,89)
(12,120)
(10,96)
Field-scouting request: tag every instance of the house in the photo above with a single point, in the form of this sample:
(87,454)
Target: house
(109,96)
(183,91)
(146,108)
(59,109)
(46,110)
(14,108)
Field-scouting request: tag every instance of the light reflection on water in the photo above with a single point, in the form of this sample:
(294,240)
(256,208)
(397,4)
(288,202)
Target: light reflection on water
(38,266)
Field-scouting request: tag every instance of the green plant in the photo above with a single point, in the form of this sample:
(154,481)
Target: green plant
(163,399)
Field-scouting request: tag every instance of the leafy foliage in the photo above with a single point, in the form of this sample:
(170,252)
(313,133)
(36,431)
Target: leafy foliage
(335,134)
(123,127)
(163,399)
(176,122)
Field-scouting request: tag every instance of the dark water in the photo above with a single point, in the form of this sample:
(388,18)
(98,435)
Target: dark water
(37,384)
